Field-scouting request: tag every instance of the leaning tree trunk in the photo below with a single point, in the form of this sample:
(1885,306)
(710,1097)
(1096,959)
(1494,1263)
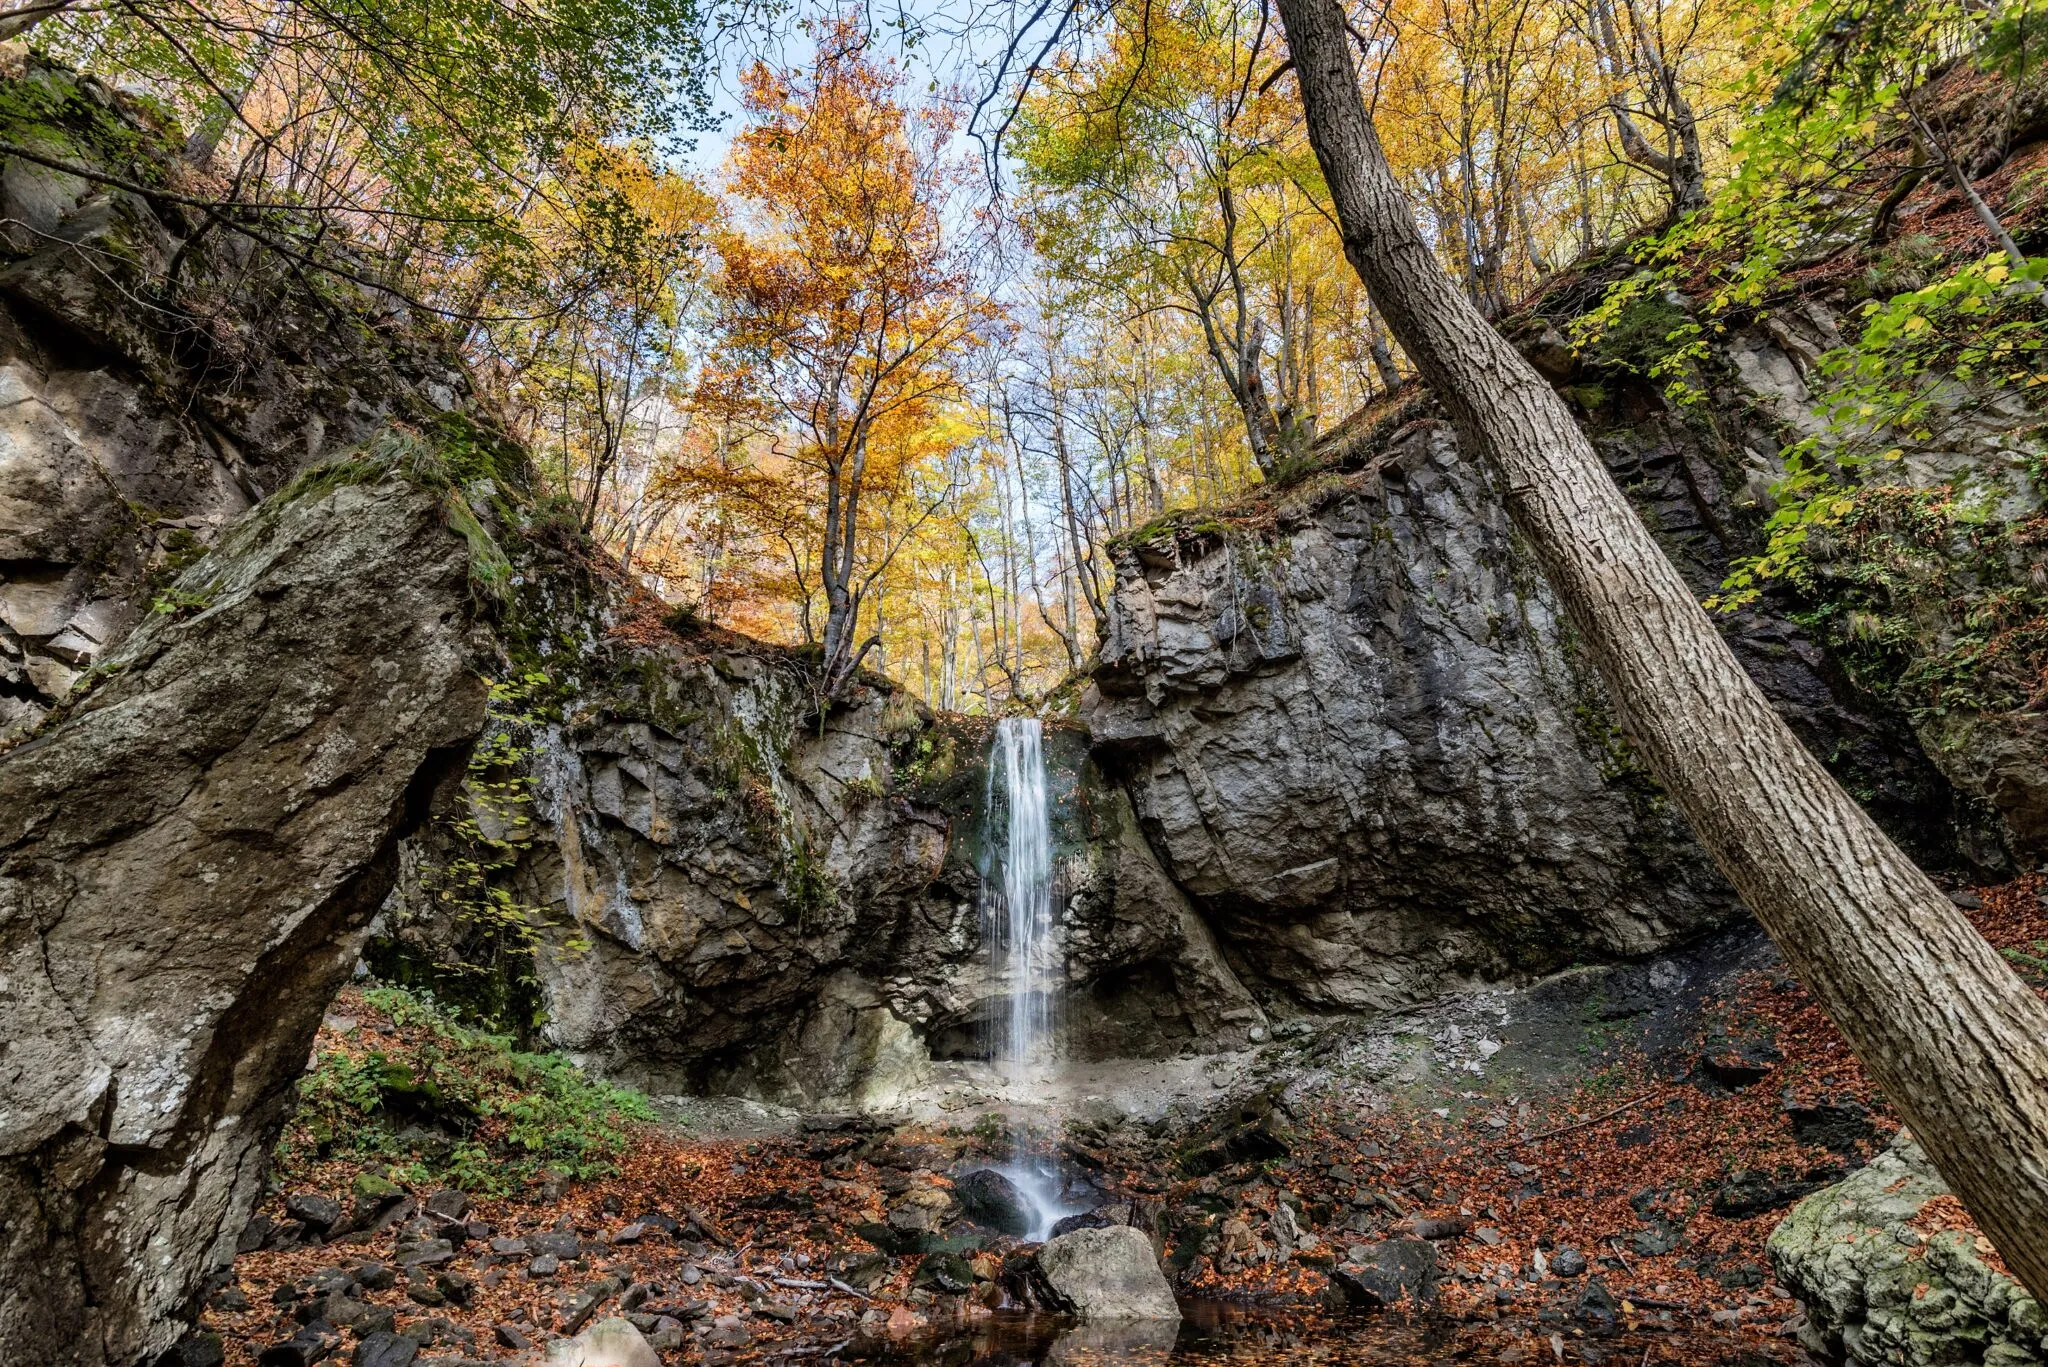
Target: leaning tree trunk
(1958,1043)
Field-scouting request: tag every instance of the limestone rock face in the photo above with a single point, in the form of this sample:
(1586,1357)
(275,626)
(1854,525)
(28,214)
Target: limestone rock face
(742,899)
(1360,742)
(1878,1290)
(1108,1274)
(188,862)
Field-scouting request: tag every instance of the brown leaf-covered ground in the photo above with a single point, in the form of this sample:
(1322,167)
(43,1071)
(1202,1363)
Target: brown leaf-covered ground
(1664,1180)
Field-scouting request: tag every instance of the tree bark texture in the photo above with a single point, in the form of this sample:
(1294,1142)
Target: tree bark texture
(1957,1042)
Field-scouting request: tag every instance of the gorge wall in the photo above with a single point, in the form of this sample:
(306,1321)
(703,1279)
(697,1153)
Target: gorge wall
(260,555)
(1352,722)
(738,895)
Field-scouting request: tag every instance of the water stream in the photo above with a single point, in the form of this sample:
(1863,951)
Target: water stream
(1020,926)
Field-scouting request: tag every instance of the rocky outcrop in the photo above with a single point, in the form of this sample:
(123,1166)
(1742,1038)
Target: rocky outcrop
(143,407)
(1359,740)
(1885,1275)
(221,721)
(740,897)
(1352,722)
(188,863)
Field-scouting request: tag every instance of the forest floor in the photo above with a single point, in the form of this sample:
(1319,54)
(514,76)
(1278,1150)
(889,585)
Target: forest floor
(1614,1214)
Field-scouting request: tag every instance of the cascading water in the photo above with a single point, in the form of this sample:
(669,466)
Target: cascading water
(1017,920)
(1019,925)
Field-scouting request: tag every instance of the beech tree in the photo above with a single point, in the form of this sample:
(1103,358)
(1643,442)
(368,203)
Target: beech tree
(846,307)
(1954,1037)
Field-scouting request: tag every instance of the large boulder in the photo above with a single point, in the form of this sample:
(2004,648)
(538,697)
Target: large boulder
(1108,1274)
(1887,1280)
(1378,1276)
(613,1342)
(189,861)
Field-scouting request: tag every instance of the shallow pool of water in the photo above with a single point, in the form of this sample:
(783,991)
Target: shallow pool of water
(1217,1332)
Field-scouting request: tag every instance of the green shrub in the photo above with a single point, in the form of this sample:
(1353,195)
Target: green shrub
(445,1103)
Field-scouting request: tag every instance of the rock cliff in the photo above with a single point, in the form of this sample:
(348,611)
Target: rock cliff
(1352,723)
(1358,738)
(741,896)
(188,863)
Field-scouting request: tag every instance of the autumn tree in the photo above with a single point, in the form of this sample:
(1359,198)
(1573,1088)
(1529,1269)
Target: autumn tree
(846,309)
(427,128)
(1155,162)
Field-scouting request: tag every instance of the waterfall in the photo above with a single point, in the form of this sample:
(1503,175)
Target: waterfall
(1017,907)
(1019,925)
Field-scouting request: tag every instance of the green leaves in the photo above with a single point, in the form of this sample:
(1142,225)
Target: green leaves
(453,1104)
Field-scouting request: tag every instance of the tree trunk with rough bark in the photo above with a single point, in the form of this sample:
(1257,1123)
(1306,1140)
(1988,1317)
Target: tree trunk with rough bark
(1958,1043)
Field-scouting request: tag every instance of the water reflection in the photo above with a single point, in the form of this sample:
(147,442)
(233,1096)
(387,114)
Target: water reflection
(1211,1332)
(1216,1333)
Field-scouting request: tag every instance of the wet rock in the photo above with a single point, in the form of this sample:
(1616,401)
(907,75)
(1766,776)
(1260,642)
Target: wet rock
(1107,1274)
(511,1336)
(255,1234)
(200,1348)
(991,1198)
(1738,1063)
(426,1253)
(457,1289)
(862,1271)
(375,1276)
(1877,1290)
(1249,1132)
(728,1331)
(1376,1276)
(1752,1193)
(449,1204)
(948,1272)
(1597,1309)
(1568,1262)
(1656,1237)
(587,1302)
(311,1344)
(559,1243)
(1838,1126)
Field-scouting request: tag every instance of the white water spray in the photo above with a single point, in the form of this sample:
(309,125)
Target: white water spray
(1018,924)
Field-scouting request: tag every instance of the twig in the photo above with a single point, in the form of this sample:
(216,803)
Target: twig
(838,1285)
(1575,1125)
